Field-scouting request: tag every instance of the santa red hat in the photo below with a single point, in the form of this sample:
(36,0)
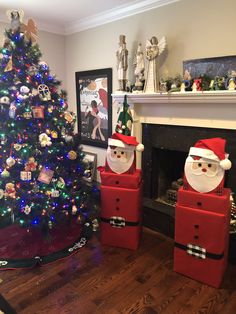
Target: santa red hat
(212,149)
(125,141)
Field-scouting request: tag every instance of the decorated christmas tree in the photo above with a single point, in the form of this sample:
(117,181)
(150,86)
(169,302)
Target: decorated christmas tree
(41,161)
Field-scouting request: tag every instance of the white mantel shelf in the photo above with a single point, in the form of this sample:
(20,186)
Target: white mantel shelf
(222,97)
(210,109)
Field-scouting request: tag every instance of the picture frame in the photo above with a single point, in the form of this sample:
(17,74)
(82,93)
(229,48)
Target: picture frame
(94,106)
(90,173)
(212,67)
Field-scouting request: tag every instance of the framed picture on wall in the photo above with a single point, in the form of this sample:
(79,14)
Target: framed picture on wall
(94,106)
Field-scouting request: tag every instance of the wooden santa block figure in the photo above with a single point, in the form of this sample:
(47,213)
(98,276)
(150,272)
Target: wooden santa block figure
(202,214)
(121,193)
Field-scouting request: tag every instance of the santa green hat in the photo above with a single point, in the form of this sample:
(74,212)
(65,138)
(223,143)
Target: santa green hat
(125,141)
(212,149)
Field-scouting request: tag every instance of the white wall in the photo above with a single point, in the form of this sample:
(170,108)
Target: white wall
(194,29)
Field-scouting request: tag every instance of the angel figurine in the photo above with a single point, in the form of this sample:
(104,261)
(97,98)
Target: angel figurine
(153,50)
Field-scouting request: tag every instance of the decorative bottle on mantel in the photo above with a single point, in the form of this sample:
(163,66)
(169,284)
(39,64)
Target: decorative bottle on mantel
(153,51)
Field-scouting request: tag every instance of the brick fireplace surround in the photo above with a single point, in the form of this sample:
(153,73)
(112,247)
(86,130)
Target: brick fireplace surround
(204,114)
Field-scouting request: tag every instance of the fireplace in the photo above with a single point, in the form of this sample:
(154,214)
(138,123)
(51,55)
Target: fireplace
(168,125)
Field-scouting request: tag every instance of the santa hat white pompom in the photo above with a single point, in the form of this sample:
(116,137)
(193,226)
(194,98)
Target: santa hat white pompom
(140,147)
(225,164)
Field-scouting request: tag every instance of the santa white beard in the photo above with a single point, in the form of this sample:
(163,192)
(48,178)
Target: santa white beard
(202,177)
(119,160)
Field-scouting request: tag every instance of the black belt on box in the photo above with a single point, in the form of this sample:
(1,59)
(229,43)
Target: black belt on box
(198,251)
(119,222)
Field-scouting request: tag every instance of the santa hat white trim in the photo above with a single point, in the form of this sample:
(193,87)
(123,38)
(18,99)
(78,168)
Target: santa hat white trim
(131,144)
(209,154)
(202,152)
(118,143)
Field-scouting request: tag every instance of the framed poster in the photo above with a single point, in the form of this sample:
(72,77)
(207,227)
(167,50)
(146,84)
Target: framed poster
(94,106)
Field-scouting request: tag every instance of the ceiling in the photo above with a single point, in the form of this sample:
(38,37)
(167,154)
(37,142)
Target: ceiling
(70,16)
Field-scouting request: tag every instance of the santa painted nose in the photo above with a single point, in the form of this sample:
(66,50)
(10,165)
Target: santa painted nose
(204,170)
(118,156)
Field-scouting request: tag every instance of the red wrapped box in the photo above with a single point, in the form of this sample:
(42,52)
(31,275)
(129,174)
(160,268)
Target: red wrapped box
(201,243)
(203,201)
(124,180)
(121,216)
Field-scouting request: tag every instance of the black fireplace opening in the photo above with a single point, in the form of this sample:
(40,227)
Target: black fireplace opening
(168,165)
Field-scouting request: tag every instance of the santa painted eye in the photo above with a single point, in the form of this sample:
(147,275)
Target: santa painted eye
(199,164)
(122,153)
(115,152)
(209,165)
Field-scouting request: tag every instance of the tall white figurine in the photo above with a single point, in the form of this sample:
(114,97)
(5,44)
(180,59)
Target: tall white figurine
(153,50)
(122,63)
(139,69)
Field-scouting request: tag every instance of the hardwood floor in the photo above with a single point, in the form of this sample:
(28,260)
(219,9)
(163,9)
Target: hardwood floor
(113,280)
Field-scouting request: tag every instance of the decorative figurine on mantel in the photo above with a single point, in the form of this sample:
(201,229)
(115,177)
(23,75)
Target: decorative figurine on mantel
(125,119)
(139,70)
(196,87)
(153,50)
(122,63)
(230,83)
(186,84)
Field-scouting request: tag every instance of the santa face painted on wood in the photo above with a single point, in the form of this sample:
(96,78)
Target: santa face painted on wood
(206,164)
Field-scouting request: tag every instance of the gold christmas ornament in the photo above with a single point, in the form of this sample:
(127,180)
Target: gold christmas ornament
(8,67)
(69,117)
(72,155)
(50,108)
(54,134)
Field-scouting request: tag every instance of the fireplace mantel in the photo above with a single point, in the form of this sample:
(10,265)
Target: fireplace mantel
(213,109)
(211,97)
